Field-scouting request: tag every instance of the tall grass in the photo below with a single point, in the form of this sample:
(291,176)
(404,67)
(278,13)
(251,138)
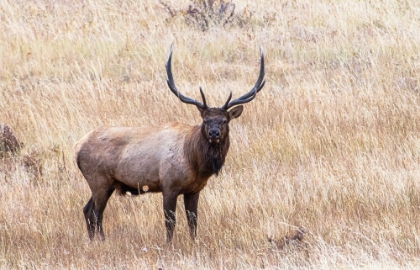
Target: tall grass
(331,145)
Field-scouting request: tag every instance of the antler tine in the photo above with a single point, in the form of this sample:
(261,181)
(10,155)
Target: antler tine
(251,94)
(225,107)
(203,97)
(173,88)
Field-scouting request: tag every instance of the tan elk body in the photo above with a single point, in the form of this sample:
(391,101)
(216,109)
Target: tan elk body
(173,159)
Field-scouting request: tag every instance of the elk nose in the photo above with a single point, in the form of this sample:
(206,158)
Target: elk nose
(214,133)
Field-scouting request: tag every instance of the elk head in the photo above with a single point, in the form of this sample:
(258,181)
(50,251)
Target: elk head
(215,120)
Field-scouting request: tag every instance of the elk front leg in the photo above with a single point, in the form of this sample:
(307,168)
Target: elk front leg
(169,208)
(191,205)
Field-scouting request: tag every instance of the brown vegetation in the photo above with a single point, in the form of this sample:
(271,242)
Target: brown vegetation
(9,144)
(331,144)
(207,14)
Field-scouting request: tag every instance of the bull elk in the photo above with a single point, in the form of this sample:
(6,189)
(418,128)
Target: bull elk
(173,159)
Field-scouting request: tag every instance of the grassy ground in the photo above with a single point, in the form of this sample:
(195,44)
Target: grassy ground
(331,145)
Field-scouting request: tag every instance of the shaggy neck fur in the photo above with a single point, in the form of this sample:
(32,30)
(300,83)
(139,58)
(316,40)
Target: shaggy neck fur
(206,158)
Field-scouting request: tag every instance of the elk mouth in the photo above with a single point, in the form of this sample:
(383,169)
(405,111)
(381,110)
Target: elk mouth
(214,140)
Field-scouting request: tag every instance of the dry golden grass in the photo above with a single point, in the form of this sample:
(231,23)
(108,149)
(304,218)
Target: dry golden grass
(331,145)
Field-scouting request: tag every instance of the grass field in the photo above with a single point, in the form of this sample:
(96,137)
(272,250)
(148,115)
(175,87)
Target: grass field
(330,146)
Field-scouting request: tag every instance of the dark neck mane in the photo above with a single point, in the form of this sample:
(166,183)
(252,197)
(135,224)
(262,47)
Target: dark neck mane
(205,158)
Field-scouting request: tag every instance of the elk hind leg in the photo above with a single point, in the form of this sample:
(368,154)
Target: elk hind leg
(89,217)
(100,204)
(94,211)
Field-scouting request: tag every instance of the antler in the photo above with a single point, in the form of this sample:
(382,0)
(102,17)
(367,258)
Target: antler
(251,94)
(172,86)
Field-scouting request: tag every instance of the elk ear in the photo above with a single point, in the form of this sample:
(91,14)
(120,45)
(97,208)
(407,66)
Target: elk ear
(235,112)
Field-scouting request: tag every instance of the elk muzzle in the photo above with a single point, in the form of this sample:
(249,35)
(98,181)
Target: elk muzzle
(214,135)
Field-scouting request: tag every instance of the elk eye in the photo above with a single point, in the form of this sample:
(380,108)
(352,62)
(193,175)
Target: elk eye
(205,121)
(224,121)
